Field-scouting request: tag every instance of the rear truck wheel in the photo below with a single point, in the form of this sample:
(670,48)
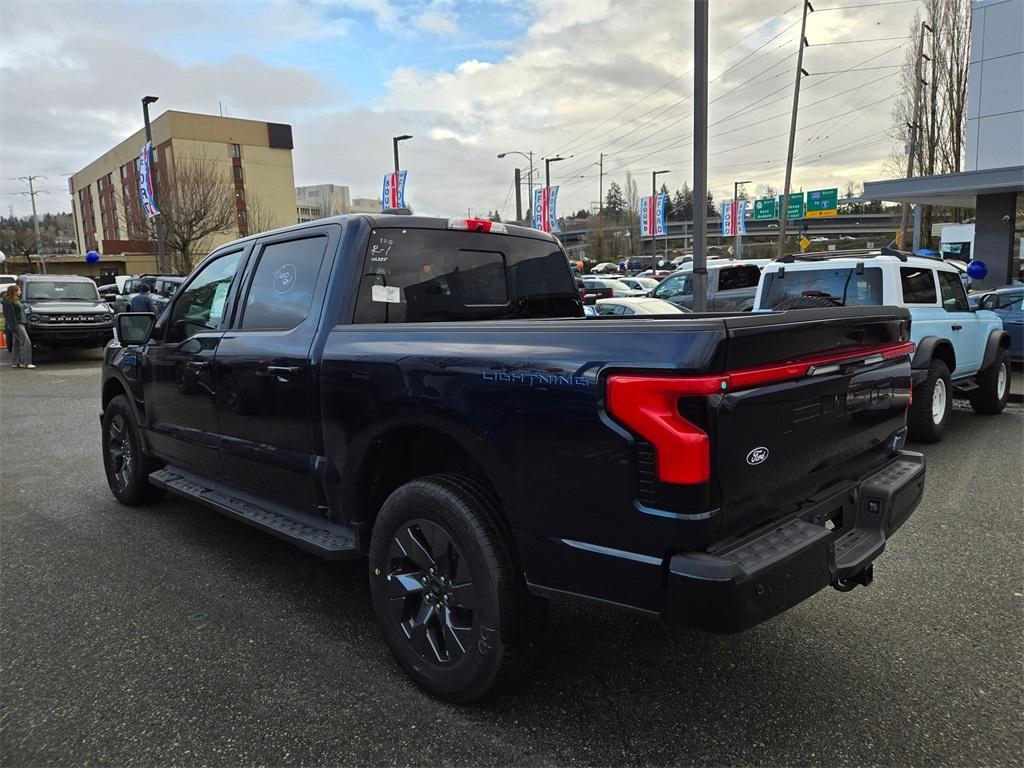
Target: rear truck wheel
(127,467)
(447,590)
(933,399)
(993,386)
(806,302)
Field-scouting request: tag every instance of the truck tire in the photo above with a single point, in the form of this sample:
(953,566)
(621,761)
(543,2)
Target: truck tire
(447,590)
(806,302)
(126,466)
(933,399)
(993,386)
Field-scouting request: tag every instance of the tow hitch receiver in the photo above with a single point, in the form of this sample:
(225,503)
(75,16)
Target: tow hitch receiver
(863,578)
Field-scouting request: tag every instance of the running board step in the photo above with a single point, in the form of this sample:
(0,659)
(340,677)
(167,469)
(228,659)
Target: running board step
(327,540)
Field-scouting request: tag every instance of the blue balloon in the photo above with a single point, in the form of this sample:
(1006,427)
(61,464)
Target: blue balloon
(92,257)
(977,270)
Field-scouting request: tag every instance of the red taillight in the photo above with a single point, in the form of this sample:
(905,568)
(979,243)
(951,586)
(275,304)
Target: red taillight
(477,225)
(649,404)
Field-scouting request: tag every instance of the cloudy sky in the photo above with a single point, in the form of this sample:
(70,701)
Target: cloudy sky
(468,79)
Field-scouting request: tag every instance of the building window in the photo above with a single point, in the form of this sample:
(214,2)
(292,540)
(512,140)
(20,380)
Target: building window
(238,172)
(242,218)
(236,150)
(240,195)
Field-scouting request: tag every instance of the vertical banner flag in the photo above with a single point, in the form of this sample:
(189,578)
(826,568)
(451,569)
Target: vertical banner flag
(146,182)
(393,192)
(652,215)
(545,209)
(660,229)
(741,218)
(727,219)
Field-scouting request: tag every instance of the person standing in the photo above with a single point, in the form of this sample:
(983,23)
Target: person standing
(22,352)
(142,301)
(8,323)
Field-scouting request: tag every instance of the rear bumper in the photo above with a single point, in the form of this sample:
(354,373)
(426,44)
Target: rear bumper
(773,569)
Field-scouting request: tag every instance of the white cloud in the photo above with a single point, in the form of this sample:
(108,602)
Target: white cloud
(437,18)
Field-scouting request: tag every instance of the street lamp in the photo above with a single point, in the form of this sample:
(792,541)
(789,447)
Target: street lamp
(547,169)
(735,215)
(528,156)
(394,143)
(160,266)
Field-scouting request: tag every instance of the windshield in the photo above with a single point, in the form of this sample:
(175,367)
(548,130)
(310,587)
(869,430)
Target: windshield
(843,286)
(646,282)
(616,285)
(60,290)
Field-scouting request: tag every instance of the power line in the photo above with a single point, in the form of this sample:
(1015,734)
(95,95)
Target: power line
(864,5)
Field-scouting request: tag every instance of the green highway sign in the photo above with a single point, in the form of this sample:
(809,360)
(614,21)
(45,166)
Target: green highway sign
(822,202)
(795,209)
(765,210)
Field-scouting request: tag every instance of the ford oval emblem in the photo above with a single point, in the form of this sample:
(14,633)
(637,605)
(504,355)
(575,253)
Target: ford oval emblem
(757,456)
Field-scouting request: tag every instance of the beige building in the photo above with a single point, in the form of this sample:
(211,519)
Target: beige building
(319,200)
(254,156)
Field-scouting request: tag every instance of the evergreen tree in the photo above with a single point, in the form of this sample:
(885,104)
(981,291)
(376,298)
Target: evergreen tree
(614,201)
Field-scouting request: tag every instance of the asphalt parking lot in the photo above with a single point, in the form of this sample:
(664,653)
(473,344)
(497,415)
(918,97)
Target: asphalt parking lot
(174,635)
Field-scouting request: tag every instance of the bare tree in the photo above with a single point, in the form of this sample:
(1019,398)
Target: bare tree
(260,216)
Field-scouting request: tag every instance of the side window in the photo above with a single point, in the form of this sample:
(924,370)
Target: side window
(918,285)
(200,306)
(281,293)
(673,286)
(954,298)
(732,278)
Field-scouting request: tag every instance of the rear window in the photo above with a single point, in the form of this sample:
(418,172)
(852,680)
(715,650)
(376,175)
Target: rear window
(918,285)
(733,278)
(844,286)
(429,275)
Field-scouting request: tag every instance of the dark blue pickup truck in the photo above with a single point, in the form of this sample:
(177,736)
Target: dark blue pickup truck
(428,393)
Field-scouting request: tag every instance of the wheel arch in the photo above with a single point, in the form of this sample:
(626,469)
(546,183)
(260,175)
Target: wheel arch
(997,339)
(934,348)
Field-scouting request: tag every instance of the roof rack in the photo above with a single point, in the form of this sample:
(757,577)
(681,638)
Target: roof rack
(789,258)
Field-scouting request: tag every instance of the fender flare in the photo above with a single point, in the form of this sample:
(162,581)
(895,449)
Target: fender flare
(996,339)
(926,351)
(115,375)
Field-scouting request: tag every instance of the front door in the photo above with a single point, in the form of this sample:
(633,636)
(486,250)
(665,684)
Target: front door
(181,412)
(263,372)
(968,332)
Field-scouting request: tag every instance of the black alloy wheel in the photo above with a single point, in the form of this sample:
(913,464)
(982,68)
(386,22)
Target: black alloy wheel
(126,465)
(120,452)
(430,591)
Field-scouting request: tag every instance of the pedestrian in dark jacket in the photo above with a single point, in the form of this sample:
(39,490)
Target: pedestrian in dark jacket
(21,353)
(142,301)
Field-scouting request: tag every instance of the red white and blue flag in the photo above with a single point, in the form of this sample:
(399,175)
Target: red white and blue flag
(393,193)
(545,209)
(652,215)
(734,218)
(146,197)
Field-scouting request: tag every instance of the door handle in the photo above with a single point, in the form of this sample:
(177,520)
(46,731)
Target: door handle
(198,366)
(957,327)
(283,372)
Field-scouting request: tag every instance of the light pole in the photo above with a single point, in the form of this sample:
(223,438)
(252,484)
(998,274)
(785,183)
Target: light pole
(528,156)
(547,169)
(700,154)
(654,200)
(161,266)
(394,144)
(736,213)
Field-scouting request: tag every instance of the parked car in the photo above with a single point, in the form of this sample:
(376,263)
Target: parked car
(605,268)
(1006,302)
(65,311)
(656,274)
(731,285)
(960,352)
(6,280)
(640,305)
(640,283)
(601,286)
(445,412)
(162,287)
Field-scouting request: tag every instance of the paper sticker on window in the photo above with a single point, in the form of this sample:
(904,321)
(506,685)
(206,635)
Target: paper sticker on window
(219,296)
(389,294)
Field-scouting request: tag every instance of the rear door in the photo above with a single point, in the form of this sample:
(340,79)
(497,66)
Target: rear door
(968,332)
(264,376)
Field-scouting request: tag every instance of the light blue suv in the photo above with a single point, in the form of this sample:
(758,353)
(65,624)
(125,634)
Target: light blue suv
(961,351)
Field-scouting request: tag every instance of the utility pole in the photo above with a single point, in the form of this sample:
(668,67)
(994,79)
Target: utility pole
(600,185)
(792,129)
(32,192)
(700,154)
(547,169)
(519,196)
(161,259)
(915,130)
(738,247)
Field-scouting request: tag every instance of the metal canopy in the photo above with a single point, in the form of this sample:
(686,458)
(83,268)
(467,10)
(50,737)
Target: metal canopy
(954,190)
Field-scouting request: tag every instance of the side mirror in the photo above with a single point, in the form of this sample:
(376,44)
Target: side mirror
(135,327)
(108,297)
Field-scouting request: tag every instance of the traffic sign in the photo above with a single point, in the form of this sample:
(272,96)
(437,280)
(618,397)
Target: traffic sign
(766,209)
(795,209)
(804,242)
(822,202)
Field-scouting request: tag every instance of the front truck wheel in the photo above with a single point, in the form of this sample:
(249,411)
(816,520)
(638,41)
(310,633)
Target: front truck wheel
(993,386)
(933,399)
(447,590)
(126,466)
